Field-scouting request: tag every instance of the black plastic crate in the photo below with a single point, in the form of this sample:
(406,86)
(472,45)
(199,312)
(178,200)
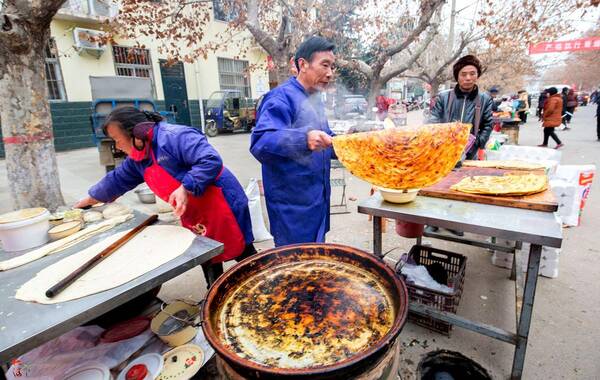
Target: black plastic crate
(455,265)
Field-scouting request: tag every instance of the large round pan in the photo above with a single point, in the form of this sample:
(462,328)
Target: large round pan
(247,269)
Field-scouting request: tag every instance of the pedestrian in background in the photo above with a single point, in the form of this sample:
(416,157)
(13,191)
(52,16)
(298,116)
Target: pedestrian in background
(523,107)
(564,93)
(541,101)
(552,117)
(597,99)
(571,105)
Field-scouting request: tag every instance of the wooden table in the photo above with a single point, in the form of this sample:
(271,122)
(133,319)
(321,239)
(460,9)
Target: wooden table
(535,227)
(26,325)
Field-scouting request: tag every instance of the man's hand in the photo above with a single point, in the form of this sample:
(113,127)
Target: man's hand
(318,140)
(85,202)
(178,200)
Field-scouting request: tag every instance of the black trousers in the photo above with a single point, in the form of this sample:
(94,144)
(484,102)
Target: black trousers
(523,116)
(598,126)
(213,271)
(569,115)
(549,132)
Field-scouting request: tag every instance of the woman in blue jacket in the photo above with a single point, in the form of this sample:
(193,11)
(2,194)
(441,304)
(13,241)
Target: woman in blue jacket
(182,168)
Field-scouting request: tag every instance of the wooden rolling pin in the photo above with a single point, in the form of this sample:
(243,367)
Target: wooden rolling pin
(63,284)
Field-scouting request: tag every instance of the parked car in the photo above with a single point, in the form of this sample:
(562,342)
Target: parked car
(583,98)
(351,105)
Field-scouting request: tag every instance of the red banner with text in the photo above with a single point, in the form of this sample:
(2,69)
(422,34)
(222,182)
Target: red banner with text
(581,44)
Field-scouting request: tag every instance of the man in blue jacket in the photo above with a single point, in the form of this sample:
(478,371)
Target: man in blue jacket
(292,141)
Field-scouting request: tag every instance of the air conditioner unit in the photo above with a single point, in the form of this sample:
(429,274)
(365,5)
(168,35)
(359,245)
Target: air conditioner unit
(87,40)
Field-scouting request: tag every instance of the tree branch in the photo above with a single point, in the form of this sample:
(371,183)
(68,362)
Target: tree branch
(282,28)
(263,38)
(389,73)
(43,11)
(356,64)
(428,8)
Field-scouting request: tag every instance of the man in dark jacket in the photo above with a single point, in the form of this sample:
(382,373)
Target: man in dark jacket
(465,103)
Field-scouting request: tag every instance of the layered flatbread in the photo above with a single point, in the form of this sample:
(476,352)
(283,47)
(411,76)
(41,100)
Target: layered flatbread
(511,184)
(505,164)
(403,158)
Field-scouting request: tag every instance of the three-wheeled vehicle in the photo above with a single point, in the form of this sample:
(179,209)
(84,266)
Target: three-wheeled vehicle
(229,111)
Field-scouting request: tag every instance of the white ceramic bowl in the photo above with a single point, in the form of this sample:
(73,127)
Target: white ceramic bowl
(398,196)
(25,233)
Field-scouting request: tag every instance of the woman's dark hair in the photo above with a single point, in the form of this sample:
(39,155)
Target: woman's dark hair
(552,91)
(129,117)
(309,47)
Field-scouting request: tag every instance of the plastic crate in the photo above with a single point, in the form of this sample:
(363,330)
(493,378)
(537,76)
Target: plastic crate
(455,265)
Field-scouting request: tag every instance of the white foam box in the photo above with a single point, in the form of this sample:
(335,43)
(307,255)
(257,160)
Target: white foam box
(580,176)
(568,204)
(549,261)
(502,259)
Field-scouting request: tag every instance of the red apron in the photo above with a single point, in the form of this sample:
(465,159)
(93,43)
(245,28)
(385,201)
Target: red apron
(208,215)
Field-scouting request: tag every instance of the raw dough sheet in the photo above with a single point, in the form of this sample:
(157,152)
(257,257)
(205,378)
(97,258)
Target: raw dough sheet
(151,248)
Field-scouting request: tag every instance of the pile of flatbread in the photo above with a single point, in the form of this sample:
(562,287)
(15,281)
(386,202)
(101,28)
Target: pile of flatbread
(403,158)
(510,184)
(504,164)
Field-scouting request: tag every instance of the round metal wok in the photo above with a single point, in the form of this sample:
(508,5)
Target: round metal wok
(250,268)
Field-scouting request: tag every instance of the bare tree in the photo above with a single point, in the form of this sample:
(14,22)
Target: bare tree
(433,68)
(507,66)
(24,109)
(580,68)
(277,26)
(382,67)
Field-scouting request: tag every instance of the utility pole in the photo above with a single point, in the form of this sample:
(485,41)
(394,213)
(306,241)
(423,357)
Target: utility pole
(451,33)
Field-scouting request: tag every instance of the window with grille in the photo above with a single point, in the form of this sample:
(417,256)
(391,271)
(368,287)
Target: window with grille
(54,79)
(133,62)
(233,75)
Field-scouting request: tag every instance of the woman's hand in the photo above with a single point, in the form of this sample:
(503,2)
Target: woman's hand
(178,200)
(85,202)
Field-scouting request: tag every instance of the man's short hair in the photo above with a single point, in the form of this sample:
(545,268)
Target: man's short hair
(310,46)
(552,91)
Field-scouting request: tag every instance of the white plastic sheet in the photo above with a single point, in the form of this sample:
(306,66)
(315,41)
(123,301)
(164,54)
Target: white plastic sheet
(259,230)
(52,360)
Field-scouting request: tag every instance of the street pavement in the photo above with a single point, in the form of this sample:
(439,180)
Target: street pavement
(565,329)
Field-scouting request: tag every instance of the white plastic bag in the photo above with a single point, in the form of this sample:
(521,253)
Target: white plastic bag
(256,216)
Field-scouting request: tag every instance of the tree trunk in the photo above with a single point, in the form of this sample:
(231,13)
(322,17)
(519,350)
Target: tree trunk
(435,87)
(27,127)
(374,90)
(282,68)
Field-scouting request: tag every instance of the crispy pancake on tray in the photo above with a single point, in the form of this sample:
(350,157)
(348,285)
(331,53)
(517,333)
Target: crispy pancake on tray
(404,157)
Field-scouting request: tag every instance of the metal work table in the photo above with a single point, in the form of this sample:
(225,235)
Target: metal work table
(26,325)
(534,227)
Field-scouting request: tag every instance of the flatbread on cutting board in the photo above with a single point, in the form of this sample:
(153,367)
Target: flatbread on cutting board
(510,184)
(504,164)
(151,248)
(403,158)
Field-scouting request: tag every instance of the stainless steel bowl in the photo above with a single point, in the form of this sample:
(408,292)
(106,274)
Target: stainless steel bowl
(146,196)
